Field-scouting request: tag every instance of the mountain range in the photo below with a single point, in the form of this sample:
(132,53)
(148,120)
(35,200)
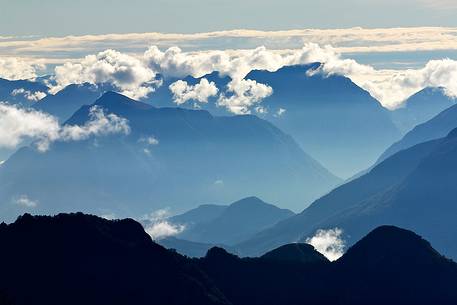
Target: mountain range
(333,119)
(414,188)
(172,157)
(230,225)
(77,258)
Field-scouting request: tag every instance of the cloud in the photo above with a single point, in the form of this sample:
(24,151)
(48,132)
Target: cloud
(15,68)
(31,96)
(162,229)
(348,40)
(201,92)
(26,202)
(328,242)
(126,73)
(99,124)
(244,94)
(158,227)
(17,125)
(151,140)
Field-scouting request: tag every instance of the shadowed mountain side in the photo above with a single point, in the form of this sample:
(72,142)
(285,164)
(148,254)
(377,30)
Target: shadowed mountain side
(237,222)
(191,248)
(80,259)
(172,157)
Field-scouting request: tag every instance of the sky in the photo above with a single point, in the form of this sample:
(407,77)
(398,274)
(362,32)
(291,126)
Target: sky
(390,48)
(67,17)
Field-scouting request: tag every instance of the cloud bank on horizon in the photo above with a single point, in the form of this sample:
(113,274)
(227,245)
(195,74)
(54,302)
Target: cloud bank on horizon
(134,73)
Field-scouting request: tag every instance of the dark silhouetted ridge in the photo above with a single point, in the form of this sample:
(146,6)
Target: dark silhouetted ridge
(296,253)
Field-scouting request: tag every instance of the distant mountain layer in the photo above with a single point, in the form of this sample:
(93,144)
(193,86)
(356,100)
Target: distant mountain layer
(20,92)
(437,127)
(233,224)
(415,188)
(334,120)
(421,107)
(81,259)
(172,157)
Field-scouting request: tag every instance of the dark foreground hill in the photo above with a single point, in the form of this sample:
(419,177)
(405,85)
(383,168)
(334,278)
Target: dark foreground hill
(81,259)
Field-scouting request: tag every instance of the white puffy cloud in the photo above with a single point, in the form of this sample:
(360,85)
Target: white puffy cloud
(162,229)
(125,72)
(15,68)
(157,226)
(328,242)
(243,94)
(200,92)
(17,125)
(26,202)
(31,96)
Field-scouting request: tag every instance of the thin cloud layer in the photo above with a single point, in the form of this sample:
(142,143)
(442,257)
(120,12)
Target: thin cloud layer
(31,96)
(18,125)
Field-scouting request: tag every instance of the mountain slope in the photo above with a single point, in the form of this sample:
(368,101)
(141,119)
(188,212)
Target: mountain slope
(437,127)
(68,100)
(81,259)
(421,107)
(381,178)
(239,221)
(333,119)
(20,92)
(172,157)
(414,189)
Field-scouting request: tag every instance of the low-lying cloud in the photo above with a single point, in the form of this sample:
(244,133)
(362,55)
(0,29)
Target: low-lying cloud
(328,242)
(243,95)
(31,96)
(18,125)
(200,92)
(158,227)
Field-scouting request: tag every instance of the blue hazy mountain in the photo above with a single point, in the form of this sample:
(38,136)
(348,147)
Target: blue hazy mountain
(201,214)
(437,127)
(334,120)
(415,188)
(421,107)
(8,86)
(236,223)
(68,100)
(197,158)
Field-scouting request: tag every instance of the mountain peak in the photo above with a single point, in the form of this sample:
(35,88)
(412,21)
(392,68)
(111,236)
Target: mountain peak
(296,252)
(114,100)
(387,244)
